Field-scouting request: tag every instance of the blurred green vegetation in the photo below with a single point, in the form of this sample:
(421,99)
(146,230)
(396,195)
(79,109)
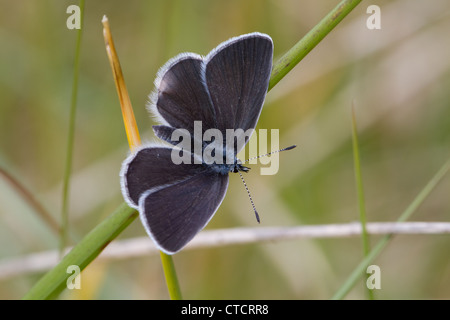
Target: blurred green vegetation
(398,78)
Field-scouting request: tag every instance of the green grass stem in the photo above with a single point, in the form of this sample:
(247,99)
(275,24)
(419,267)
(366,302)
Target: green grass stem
(362,266)
(70,138)
(54,281)
(171,276)
(360,191)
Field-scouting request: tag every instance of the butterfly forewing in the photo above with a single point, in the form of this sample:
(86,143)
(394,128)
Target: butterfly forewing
(237,77)
(181,94)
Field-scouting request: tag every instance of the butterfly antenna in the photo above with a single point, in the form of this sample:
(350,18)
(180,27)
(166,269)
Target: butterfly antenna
(250,196)
(268,154)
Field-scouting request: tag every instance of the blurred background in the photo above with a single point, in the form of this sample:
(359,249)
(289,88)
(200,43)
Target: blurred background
(398,78)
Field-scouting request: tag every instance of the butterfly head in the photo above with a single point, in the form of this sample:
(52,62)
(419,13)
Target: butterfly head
(238,166)
(224,168)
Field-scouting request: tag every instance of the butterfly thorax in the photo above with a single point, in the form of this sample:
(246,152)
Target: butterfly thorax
(225,168)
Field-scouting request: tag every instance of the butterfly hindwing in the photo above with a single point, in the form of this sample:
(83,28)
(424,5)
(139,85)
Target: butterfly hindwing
(152,167)
(173,215)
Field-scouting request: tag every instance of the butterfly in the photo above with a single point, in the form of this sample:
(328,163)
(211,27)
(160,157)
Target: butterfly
(223,91)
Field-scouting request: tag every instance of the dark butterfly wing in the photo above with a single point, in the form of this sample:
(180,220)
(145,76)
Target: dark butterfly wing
(226,90)
(173,215)
(152,167)
(181,97)
(175,201)
(237,77)
(165,133)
